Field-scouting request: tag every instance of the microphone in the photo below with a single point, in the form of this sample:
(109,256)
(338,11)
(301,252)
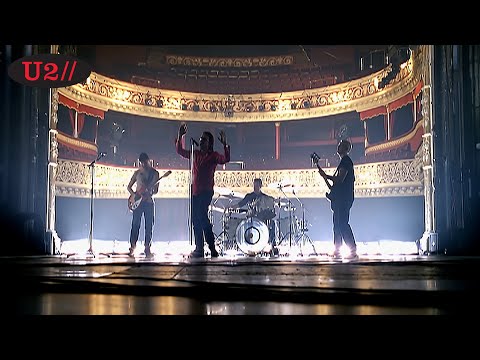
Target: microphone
(100,155)
(194,141)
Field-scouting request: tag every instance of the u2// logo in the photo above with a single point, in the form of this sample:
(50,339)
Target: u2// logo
(49,70)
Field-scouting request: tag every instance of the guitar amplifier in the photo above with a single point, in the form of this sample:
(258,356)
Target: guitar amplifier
(234,165)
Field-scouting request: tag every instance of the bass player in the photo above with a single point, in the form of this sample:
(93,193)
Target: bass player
(147,179)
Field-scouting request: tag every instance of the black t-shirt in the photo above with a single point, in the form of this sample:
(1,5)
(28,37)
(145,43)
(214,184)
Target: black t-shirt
(264,210)
(345,189)
(250,197)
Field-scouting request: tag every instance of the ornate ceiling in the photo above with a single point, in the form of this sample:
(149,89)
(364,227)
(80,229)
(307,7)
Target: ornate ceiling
(234,69)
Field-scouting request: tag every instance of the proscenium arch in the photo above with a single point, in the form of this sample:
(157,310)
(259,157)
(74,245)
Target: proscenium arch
(358,95)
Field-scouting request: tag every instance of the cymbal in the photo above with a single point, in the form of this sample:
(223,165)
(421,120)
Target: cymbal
(217,208)
(222,191)
(280,185)
(226,192)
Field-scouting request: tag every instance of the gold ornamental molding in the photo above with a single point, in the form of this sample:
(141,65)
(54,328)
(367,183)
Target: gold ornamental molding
(79,143)
(105,93)
(383,179)
(228,62)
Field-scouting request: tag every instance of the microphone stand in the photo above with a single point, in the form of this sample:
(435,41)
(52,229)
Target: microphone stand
(302,234)
(190,192)
(280,187)
(90,235)
(219,239)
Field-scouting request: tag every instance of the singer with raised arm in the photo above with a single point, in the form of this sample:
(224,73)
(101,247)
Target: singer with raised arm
(146,179)
(205,161)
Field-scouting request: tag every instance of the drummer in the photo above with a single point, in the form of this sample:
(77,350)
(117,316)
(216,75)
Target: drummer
(261,206)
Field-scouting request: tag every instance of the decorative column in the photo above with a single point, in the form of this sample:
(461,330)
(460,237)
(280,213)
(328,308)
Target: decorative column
(387,125)
(75,127)
(429,242)
(54,242)
(277,141)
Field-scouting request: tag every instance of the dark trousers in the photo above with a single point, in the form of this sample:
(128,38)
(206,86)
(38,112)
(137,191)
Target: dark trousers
(271,232)
(147,209)
(202,227)
(341,228)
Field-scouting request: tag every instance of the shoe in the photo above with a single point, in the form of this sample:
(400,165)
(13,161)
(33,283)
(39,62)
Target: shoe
(275,252)
(352,256)
(131,252)
(196,254)
(149,254)
(213,253)
(336,254)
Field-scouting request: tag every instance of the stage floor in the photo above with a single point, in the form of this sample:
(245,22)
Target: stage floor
(170,283)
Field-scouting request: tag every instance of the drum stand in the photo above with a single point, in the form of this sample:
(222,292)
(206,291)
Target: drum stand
(217,238)
(222,240)
(290,226)
(302,237)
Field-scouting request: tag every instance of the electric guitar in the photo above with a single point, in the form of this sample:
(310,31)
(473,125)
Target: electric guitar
(136,199)
(331,194)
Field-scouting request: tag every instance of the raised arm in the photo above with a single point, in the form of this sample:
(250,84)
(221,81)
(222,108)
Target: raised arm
(225,158)
(178,142)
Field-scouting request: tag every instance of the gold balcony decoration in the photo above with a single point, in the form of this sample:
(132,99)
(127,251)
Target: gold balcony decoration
(77,143)
(391,178)
(357,95)
(228,62)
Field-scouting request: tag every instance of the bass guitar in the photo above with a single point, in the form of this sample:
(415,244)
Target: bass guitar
(136,199)
(331,193)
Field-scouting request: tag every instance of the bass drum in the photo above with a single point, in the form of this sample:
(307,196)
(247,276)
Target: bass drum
(252,236)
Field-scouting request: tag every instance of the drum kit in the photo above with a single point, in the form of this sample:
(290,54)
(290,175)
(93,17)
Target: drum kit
(265,224)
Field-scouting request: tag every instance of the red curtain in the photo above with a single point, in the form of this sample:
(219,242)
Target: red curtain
(417,89)
(80,121)
(397,104)
(80,108)
(370,113)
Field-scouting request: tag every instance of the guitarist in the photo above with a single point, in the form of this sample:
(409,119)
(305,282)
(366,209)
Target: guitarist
(146,178)
(341,199)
